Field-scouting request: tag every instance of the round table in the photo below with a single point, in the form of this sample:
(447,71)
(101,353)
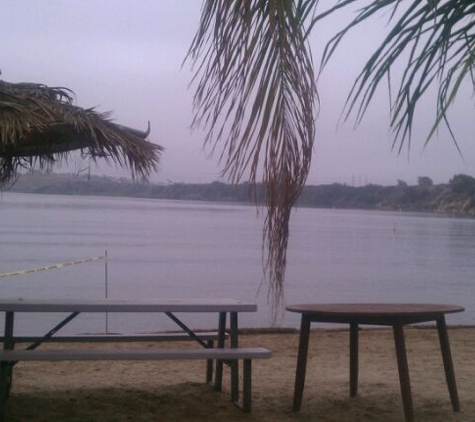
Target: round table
(387,314)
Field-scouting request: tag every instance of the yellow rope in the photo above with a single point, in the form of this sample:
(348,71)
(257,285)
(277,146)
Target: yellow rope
(51,267)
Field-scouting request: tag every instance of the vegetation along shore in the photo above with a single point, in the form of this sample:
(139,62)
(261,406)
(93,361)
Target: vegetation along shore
(457,197)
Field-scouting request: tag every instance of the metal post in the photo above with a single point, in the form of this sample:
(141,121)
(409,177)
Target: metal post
(234,364)
(6,375)
(247,376)
(353,359)
(218,378)
(106,281)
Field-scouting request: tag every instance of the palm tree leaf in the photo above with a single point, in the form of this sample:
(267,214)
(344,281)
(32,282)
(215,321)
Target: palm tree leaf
(256,97)
(439,37)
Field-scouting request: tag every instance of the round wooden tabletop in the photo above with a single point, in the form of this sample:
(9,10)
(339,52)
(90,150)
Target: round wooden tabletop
(374,313)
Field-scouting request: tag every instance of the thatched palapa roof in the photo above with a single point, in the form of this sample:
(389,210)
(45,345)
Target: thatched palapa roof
(39,125)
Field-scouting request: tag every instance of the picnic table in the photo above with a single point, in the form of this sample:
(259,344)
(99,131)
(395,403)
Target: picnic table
(385,314)
(221,354)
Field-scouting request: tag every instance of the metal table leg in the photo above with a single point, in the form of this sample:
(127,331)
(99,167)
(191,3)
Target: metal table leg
(246,395)
(6,367)
(353,359)
(234,364)
(218,381)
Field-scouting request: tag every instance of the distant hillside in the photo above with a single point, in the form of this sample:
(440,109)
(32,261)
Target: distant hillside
(456,197)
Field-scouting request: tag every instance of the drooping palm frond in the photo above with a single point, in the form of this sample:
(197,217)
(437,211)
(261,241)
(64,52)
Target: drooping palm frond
(39,125)
(437,40)
(257,99)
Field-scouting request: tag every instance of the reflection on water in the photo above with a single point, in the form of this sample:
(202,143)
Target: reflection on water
(181,249)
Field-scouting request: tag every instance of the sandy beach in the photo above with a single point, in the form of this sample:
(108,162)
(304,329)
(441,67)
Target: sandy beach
(175,390)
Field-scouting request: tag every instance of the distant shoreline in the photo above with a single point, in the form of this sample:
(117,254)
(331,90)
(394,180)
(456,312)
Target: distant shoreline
(441,199)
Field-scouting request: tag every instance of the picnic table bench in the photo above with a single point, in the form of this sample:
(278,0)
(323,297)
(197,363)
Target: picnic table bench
(221,354)
(209,337)
(230,355)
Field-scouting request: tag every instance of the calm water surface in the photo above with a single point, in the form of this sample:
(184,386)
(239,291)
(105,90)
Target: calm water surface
(176,249)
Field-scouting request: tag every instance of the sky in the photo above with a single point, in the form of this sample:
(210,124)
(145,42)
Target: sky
(126,56)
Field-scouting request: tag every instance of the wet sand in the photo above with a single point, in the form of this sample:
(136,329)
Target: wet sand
(175,390)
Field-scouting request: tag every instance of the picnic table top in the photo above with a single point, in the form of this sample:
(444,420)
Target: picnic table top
(374,313)
(126,305)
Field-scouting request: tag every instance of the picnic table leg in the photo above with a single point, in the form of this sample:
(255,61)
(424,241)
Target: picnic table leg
(301,362)
(234,364)
(247,382)
(448,364)
(218,380)
(403,372)
(8,344)
(209,363)
(6,368)
(353,359)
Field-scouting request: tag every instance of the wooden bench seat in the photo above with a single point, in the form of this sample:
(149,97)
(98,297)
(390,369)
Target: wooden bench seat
(7,357)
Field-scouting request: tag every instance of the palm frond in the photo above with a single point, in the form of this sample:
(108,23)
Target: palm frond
(39,126)
(256,97)
(437,40)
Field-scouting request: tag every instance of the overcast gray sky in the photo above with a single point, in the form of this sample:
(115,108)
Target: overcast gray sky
(125,56)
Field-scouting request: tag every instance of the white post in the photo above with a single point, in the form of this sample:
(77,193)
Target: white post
(106,288)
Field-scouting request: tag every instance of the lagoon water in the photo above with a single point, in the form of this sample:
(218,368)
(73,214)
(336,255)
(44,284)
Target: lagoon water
(178,249)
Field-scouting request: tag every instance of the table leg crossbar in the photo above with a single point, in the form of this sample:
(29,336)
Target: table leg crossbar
(186,329)
(53,331)
(192,334)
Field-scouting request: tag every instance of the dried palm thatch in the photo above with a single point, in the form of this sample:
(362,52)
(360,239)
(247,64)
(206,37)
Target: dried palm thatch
(256,95)
(39,125)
